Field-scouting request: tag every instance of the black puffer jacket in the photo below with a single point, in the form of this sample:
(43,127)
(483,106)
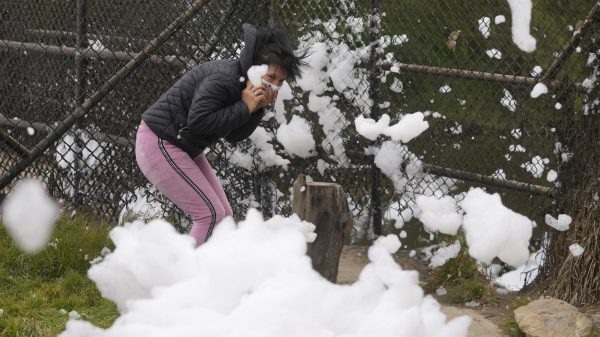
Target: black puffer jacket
(205,104)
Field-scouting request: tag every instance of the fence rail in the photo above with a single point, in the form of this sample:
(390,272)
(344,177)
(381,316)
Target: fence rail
(480,75)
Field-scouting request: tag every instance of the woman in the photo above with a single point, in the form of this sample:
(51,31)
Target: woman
(210,102)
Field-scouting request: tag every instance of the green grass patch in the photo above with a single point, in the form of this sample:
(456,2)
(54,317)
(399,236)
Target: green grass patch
(462,279)
(510,326)
(38,291)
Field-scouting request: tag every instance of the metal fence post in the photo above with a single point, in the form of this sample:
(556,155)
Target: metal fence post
(375,34)
(80,64)
(257,186)
(263,192)
(267,194)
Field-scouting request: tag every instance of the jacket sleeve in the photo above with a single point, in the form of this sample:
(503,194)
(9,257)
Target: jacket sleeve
(247,129)
(211,111)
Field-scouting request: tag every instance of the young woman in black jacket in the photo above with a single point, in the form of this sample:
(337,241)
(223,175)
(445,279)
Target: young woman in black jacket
(214,100)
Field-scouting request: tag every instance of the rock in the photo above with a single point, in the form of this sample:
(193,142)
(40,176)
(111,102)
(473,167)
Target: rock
(480,326)
(553,318)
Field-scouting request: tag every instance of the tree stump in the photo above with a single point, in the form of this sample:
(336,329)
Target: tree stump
(324,205)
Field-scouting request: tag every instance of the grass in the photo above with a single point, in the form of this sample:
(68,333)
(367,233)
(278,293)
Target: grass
(38,291)
(462,279)
(510,326)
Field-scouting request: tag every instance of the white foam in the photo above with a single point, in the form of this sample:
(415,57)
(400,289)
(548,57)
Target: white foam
(29,215)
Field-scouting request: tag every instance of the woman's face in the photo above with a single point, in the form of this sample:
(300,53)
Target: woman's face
(275,75)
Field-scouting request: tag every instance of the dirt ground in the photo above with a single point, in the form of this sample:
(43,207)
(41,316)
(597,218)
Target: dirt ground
(354,258)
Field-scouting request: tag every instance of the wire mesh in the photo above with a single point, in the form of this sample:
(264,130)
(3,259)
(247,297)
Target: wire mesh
(454,62)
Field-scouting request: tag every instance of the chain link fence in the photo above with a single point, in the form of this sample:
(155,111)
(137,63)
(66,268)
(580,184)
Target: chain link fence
(453,61)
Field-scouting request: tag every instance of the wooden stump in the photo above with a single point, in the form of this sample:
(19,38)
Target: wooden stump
(324,205)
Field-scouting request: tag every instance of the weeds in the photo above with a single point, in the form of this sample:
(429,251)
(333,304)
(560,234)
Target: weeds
(462,279)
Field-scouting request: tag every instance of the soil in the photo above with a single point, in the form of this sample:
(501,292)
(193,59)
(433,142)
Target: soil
(354,258)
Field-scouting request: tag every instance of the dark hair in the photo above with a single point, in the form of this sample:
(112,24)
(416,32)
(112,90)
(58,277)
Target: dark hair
(274,46)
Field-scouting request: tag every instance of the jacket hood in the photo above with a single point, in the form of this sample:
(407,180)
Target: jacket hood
(247,55)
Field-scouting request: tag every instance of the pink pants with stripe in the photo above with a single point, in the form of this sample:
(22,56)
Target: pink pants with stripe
(190,183)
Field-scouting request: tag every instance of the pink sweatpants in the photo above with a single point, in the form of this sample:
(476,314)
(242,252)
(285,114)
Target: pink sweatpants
(189,183)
